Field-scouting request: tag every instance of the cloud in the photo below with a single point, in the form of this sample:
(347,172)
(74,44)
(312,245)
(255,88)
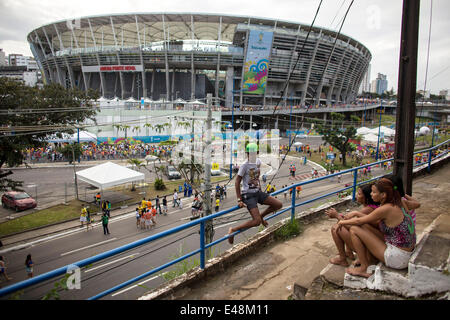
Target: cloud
(376,24)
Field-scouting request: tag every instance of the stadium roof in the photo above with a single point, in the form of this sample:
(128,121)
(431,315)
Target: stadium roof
(133,29)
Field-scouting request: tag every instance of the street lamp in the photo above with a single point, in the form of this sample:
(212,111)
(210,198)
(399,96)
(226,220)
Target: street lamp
(379,129)
(232,129)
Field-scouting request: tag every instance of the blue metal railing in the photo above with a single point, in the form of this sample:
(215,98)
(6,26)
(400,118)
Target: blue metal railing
(201,221)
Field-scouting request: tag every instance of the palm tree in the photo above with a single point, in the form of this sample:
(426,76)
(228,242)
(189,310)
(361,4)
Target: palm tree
(136,163)
(125,128)
(118,127)
(136,128)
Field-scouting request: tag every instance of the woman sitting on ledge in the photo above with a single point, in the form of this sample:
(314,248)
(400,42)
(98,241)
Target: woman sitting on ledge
(341,236)
(396,225)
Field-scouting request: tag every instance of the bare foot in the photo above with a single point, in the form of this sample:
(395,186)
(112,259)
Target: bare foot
(350,255)
(230,239)
(358,271)
(264,223)
(356,263)
(339,261)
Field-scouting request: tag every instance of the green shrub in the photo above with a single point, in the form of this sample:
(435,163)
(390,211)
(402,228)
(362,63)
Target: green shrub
(289,230)
(159,184)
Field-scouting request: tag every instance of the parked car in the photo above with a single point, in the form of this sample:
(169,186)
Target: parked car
(301,136)
(172,173)
(18,201)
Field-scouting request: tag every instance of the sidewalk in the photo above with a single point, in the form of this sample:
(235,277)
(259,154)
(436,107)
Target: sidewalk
(277,268)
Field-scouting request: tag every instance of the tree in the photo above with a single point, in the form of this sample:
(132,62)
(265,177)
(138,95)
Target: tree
(67,151)
(136,163)
(29,114)
(336,136)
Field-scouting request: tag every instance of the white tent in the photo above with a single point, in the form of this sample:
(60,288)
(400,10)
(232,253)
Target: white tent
(84,137)
(109,174)
(363,130)
(388,132)
(180,101)
(197,102)
(370,137)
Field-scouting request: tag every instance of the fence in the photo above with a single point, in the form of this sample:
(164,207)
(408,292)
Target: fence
(202,221)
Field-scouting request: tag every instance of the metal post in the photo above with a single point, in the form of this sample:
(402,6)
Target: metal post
(78,135)
(290,122)
(232,132)
(293,204)
(202,245)
(209,232)
(406,102)
(355,181)
(74,172)
(379,129)
(429,155)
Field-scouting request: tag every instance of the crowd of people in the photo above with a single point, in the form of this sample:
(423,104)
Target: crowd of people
(93,151)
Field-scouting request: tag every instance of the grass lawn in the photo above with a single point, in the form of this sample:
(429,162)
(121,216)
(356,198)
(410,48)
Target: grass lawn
(61,213)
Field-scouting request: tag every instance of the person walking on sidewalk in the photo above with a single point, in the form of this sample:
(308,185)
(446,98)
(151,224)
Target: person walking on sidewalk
(164,201)
(108,208)
(217,204)
(175,198)
(105,221)
(157,204)
(3,269)
(29,266)
(89,220)
(83,215)
(251,193)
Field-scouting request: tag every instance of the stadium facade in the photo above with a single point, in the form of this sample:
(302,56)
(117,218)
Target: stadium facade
(187,55)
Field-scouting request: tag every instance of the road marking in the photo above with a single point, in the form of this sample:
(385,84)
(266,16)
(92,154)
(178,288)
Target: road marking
(136,285)
(111,262)
(87,247)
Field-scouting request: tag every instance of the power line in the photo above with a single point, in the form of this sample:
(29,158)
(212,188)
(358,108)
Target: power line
(315,89)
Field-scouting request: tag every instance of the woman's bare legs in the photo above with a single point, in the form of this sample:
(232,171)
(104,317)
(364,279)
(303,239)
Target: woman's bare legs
(341,258)
(370,258)
(363,239)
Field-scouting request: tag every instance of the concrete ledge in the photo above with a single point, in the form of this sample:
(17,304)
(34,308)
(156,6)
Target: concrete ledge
(175,289)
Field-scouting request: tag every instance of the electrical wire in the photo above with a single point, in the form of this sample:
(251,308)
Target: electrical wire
(426,68)
(315,89)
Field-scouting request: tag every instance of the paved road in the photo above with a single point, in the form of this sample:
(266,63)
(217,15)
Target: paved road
(69,248)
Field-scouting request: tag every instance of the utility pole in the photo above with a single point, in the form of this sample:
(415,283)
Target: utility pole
(192,145)
(406,104)
(209,230)
(74,172)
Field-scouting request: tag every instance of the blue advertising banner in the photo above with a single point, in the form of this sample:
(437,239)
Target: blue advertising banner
(257,62)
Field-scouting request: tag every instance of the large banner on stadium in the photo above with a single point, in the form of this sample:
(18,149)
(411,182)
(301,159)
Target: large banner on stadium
(257,62)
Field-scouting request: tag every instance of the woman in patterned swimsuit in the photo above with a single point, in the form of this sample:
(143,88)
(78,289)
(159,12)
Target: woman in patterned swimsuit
(396,225)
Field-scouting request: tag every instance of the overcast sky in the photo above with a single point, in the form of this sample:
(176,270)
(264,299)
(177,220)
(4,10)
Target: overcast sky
(376,24)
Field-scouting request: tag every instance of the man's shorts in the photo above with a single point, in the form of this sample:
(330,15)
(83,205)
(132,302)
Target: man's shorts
(252,199)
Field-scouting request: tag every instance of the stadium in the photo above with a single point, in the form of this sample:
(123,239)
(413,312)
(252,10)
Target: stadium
(239,60)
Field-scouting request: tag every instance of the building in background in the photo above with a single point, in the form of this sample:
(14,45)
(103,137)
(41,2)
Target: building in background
(243,61)
(365,84)
(2,58)
(20,68)
(379,85)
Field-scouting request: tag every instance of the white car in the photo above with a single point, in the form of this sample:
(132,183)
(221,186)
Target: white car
(301,136)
